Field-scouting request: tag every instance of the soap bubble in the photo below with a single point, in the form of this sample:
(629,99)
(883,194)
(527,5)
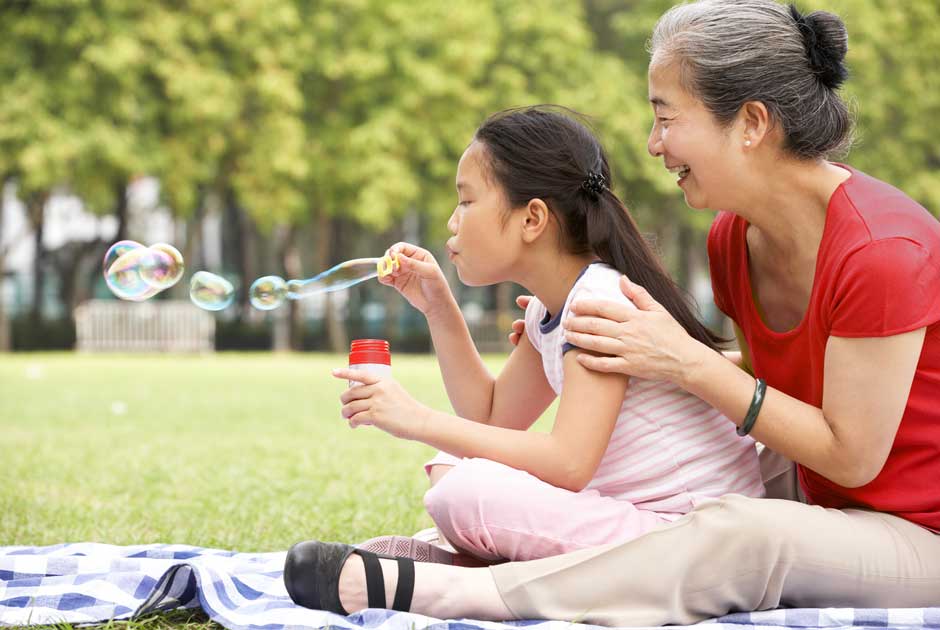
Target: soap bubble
(134,272)
(123,275)
(164,268)
(210,292)
(342,276)
(267,293)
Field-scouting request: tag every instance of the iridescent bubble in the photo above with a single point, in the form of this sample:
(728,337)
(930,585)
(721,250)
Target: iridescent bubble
(114,252)
(123,275)
(267,293)
(164,268)
(342,276)
(210,292)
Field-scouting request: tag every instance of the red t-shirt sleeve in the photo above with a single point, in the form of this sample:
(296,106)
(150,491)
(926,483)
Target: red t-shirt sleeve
(719,248)
(887,287)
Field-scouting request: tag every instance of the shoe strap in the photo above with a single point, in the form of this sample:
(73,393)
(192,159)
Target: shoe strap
(375,579)
(406,585)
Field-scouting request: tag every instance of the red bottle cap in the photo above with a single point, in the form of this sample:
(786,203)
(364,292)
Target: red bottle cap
(369,351)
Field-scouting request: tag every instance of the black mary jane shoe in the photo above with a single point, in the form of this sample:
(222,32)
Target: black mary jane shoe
(311,575)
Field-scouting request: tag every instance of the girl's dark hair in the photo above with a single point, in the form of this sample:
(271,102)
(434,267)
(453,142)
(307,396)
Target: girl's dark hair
(544,152)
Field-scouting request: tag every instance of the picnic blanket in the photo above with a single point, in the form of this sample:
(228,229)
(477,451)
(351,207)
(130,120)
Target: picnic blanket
(91,582)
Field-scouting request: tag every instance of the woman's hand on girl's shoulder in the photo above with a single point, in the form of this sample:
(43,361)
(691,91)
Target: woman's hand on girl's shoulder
(417,277)
(646,341)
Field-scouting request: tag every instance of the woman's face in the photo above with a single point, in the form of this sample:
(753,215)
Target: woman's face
(482,247)
(690,141)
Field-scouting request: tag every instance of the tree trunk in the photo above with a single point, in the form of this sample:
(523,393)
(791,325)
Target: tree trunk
(246,240)
(4,322)
(120,209)
(335,325)
(293,268)
(36,209)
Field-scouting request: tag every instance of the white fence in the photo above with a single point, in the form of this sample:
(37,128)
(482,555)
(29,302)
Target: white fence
(161,326)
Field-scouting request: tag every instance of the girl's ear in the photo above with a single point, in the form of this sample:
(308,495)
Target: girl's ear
(535,218)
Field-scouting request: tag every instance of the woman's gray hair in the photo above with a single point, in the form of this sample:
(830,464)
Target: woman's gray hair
(734,51)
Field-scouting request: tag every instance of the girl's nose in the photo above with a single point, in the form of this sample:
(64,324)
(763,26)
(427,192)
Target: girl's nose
(452,222)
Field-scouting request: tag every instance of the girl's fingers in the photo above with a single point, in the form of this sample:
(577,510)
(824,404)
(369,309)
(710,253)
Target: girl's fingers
(359,376)
(602,364)
(594,343)
(357,392)
(357,406)
(523,301)
(592,326)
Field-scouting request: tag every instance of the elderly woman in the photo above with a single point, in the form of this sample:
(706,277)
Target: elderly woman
(832,279)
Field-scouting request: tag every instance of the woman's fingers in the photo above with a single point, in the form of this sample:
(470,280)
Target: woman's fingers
(602,364)
(593,326)
(606,309)
(594,343)
(639,296)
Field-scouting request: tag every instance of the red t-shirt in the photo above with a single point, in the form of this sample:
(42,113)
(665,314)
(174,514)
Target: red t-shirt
(877,274)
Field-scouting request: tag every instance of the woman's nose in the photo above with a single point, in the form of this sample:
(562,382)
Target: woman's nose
(654,142)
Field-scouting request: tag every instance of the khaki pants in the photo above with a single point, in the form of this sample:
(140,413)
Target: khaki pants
(735,554)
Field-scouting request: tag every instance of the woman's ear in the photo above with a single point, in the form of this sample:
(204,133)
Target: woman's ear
(535,218)
(755,123)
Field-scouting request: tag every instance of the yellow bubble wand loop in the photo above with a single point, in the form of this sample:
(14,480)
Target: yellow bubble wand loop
(387,264)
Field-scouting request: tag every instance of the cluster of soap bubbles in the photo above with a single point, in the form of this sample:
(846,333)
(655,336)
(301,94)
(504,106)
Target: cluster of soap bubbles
(135,272)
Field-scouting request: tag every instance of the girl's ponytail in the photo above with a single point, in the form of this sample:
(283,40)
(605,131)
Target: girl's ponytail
(543,152)
(614,237)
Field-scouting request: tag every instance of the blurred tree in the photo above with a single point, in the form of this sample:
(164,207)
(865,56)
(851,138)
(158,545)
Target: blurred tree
(894,86)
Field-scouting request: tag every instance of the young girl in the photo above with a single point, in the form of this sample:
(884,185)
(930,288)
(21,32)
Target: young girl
(535,207)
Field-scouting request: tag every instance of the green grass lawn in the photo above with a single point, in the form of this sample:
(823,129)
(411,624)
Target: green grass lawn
(235,451)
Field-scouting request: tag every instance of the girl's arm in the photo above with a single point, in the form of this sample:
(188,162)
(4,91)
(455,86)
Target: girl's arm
(567,457)
(514,400)
(866,384)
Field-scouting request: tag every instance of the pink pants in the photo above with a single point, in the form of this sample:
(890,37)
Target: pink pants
(495,512)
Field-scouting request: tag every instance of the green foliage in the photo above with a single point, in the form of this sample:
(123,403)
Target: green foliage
(360,108)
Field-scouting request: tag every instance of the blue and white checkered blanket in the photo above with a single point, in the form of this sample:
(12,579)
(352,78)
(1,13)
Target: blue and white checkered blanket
(91,582)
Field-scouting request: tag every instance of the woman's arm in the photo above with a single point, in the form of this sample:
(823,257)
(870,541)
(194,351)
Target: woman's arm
(867,383)
(866,386)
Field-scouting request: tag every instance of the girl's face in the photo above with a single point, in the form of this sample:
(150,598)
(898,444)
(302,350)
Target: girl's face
(692,144)
(482,246)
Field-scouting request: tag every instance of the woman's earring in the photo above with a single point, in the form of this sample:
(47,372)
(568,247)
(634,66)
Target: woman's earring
(747,143)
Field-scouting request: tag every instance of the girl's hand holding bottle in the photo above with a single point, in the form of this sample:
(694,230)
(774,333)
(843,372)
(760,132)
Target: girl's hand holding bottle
(381,402)
(418,278)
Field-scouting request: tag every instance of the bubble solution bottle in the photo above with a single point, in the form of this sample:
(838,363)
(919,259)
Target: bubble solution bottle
(370,355)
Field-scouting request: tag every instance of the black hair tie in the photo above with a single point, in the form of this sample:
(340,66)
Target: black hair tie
(818,58)
(595,184)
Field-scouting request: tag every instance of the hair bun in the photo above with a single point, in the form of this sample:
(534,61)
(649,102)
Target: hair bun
(826,42)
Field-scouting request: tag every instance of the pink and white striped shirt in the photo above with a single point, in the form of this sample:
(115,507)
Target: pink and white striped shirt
(669,450)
